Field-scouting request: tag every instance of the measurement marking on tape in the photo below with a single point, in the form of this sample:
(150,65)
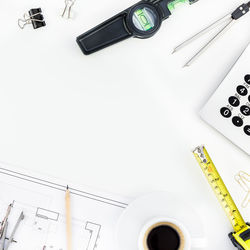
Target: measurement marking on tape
(219,188)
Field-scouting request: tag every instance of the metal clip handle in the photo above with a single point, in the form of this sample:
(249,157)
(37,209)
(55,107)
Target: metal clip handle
(28,19)
(68,8)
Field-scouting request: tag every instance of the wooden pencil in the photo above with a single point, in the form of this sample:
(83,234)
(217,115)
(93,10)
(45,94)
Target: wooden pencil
(68,220)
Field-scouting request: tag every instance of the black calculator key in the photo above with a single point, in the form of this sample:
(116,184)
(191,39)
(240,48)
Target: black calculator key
(242,90)
(237,121)
(245,110)
(249,98)
(247,79)
(226,112)
(234,101)
(247,130)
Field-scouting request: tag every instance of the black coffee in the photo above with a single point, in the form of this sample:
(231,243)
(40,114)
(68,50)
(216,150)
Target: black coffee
(163,238)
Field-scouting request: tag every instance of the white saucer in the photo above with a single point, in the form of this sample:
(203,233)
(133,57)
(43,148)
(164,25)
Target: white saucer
(145,208)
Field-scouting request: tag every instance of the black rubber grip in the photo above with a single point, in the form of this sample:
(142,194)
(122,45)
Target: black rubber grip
(107,33)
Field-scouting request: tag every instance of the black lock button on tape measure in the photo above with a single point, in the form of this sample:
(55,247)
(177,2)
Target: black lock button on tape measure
(141,20)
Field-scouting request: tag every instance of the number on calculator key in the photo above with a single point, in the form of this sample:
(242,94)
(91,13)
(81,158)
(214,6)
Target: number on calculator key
(247,79)
(234,101)
(242,90)
(245,110)
(247,130)
(226,112)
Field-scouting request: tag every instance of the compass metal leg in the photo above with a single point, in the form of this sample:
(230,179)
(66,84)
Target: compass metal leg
(202,50)
(21,217)
(204,31)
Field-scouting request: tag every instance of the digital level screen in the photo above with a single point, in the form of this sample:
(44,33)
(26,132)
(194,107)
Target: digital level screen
(144,19)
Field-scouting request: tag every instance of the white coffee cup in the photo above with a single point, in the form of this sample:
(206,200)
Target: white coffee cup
(158,207)
(185,240)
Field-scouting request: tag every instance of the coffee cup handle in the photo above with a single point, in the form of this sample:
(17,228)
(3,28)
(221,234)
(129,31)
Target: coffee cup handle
(198,243)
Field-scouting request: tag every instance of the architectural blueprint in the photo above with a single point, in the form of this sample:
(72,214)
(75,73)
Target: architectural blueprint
(42,201)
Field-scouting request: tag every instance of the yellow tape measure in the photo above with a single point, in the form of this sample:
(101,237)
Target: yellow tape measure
(241,235)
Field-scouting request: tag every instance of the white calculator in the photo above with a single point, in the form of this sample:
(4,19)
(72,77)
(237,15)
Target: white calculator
(228,110)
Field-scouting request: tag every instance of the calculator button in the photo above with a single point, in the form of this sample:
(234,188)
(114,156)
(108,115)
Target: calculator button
(242,90)
(247,130)
(237,121)
(247,79)
(249,98)
(245,110)
(225,112)
(234,101)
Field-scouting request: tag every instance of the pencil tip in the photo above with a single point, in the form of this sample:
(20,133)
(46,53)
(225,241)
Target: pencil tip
(67,187)
(173,51)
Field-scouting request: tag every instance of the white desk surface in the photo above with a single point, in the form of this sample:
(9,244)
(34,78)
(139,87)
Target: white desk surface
(124,119)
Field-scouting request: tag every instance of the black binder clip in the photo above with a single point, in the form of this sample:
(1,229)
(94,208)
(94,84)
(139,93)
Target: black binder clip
(34,17)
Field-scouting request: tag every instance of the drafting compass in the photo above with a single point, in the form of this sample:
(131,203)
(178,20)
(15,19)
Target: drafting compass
(227,20)
(4,241)
(5,220)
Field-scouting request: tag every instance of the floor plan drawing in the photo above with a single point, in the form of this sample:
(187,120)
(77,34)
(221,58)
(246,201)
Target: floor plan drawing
(42,203)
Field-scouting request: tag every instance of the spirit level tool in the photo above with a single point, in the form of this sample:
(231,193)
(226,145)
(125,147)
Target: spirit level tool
(141,20)
(227,20)
(241,235)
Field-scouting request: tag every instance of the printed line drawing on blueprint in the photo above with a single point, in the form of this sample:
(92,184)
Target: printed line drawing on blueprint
(41,200)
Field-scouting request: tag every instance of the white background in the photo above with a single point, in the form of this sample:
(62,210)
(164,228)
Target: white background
(124,119)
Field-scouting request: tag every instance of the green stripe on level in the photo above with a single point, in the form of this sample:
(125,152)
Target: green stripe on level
(171,5)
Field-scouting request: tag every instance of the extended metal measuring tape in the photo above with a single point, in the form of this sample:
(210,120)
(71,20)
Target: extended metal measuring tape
(241,235)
